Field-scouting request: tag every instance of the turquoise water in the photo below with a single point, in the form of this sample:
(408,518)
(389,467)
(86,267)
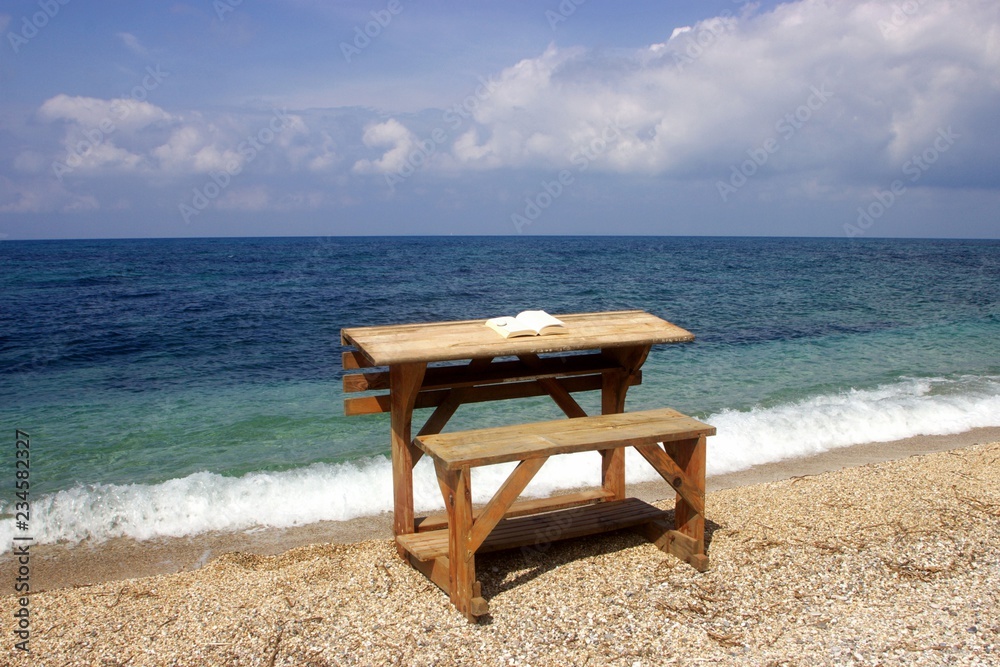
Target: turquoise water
(177,386)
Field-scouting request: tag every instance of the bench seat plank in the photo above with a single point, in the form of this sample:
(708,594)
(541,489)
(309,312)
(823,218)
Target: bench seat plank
(503,444)
(541,529)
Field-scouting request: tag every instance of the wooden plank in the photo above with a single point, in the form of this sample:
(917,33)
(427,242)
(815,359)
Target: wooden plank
(689,517)
(469,339)
(562,436)
(405,384)
(687,488)
(443,412)
(372,381)
(579,521)
(425,546)
(446,409)
(522,507)
(614,385)
(367,405)
(501,501)
(539,530)
(467,375)
(478,606)
(671,541)
(436,570)
(461,561)
(548,527)
(351,359)
(562,398)
(613,472)
(428,399)
(628,361)
(699,562)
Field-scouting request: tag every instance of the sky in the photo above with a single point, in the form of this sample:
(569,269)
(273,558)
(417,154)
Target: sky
(307,117)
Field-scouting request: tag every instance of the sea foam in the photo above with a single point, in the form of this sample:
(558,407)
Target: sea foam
(207,501)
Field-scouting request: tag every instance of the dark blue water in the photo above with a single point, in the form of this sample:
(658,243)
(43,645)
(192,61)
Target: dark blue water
(187,367)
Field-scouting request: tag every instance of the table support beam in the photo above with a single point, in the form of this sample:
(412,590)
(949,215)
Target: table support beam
(554,388)
(447,408)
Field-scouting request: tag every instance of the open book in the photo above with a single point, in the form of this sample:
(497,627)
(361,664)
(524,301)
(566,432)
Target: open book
(527,323)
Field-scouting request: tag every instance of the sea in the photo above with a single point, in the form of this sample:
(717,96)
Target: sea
(171,387)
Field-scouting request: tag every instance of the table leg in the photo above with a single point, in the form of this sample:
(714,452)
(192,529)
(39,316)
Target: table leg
(614,385)
(404,384)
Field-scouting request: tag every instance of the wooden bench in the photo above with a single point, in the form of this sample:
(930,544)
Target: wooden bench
(674,444)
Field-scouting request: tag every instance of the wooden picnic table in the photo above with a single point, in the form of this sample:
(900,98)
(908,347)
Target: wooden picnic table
(444,365)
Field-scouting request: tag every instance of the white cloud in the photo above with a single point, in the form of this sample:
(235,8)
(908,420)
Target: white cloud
(690,106)
(191,149)
(31,161)
(320,155)
(305,150)
(847,91)
(469,150)
(132,43)
(92,112)
(95,128)
(98,157)
(390,133)
(81,203)
(231,142)
(42,196)
(22,198)
(126,135)
(721,87)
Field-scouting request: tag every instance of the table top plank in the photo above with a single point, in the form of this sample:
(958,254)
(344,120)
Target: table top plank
(471,339)
(501,444)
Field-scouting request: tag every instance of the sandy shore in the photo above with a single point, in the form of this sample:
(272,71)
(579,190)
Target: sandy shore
(56,566)
(893,562)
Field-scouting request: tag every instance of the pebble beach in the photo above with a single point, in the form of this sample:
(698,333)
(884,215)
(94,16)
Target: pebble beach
(888,563)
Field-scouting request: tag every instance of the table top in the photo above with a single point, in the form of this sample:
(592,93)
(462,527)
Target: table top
(471,339)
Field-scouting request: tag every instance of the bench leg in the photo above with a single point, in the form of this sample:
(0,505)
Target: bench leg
(613,473)
(690,457)
(463,588)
